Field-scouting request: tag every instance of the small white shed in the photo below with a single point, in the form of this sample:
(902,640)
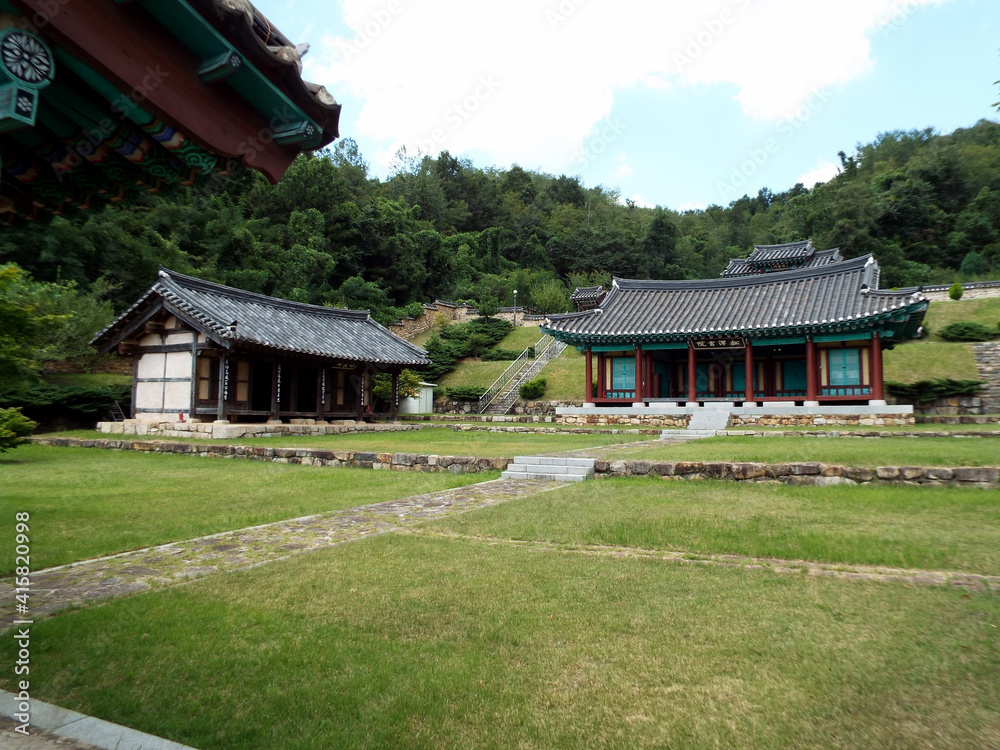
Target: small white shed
(422,403)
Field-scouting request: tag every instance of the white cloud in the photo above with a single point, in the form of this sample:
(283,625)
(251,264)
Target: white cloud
(692,206)
(637,200)
(528,82)
(824,171)
(624,168)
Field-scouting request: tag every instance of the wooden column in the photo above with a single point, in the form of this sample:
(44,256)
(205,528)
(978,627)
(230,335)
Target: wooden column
(321,394)
(748,372)
(275,390)
(637,398)
(601,385)
(692,375)
(876,368)
(222,412)
(362,376)
(589,386)
(812,371)
(394,408)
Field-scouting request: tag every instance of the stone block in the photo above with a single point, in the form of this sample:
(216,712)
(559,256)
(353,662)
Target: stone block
(910,473)
(982,475)
(804,469)
(715,469)
(777,471)
(660,469)
(942,474)
(619,468)
(682,468)
(887,472)
(832,471)
(744,471)
(601,466)
(639,468)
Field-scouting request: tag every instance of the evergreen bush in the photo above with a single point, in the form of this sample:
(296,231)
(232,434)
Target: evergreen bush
(956,291)
(925,391)
(966,330)
(496,354)
(14,428)
(464,393)
(533,389)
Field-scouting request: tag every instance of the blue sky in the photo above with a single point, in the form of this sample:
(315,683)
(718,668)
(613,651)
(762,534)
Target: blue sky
(678,104)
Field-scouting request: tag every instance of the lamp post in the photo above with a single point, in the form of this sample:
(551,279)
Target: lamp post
(515,307)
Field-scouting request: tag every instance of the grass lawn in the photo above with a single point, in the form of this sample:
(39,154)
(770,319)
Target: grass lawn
(900,451)
(927,360)
(943,312)
(473,373)
(404,641)
(86,503)
(909,527)
(441,441)
(920,427)
(520,338)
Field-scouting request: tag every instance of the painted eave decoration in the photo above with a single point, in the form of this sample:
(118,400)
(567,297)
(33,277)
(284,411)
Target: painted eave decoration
(101,99)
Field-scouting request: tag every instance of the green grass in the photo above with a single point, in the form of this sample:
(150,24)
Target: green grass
(889,451)
(920,427)
(930,360)
(909,527)
(473,373)
(520,338)
(441,441)
(409,642)
(942,313)
(86,503)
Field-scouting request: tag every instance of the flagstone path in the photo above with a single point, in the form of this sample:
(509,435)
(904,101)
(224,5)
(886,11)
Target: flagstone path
(171,564)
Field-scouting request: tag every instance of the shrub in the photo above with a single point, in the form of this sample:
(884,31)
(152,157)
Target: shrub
(496,354)
(533,389)
(930,390)
(966,330)
(14,428)
(465,393)
(956,291)
(54,404)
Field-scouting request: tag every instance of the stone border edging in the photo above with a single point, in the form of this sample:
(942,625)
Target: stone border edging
(304,456)
(554,430)
(860,433)
(83,728)
(803,473)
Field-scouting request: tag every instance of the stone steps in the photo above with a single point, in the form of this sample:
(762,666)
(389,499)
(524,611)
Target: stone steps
(550,467)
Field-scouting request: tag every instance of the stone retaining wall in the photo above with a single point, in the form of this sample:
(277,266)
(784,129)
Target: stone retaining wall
(988,363)
(666,421)
(304,456)
(551,430)
(808,473)
(227,431)
(863,433)
(958,419)
(818,420)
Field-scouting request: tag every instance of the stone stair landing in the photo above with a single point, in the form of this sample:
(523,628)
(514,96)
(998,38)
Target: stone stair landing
(550,467)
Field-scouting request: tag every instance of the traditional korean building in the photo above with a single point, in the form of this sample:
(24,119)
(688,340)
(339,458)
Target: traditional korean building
(771,258)
(808,336)
(211,352)
(101,100)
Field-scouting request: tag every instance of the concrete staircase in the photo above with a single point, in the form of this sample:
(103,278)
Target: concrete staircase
(509,393)
(545,467)
(704,423)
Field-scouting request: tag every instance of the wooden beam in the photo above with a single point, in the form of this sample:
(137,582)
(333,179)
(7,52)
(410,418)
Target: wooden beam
(589,385)
(129,48)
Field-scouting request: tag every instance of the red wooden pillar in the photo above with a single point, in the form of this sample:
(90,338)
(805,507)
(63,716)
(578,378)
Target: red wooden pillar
(639,372)
(876,368)
(589,389)
(748,372)
(692,375)
(601,386)
(812,372)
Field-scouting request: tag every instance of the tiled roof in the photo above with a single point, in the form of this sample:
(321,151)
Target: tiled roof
(834,295)
(766,258)
(583,293)
(235,317)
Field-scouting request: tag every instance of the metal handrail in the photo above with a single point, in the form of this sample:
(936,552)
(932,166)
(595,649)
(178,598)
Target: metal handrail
(537,350)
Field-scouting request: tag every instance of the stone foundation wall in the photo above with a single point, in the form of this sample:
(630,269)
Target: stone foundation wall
(213,431)
(810,420)
(988,362)
(407,328)
(952,406)
(304,456)
(809,473)
(666,421)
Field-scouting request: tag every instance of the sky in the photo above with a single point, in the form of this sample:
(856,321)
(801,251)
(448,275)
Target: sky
(676,104)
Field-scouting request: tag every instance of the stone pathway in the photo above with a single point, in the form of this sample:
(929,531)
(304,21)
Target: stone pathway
(620,450)
(89,581)
(970,581)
